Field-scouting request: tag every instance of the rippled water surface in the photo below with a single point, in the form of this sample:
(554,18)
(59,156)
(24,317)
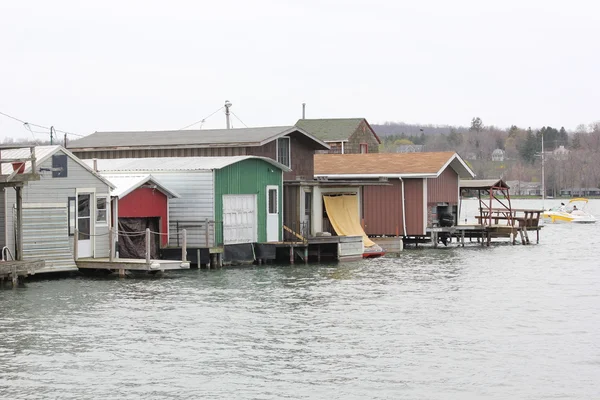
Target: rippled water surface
(505,322)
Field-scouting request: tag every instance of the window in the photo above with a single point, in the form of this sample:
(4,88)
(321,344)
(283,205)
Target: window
(272,201)
(59,166)
(283,151)
(364,148)
(71,212)
(102,210)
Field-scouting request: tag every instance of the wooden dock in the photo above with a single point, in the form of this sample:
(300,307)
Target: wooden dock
(131,264)
(318,248)
(14,269)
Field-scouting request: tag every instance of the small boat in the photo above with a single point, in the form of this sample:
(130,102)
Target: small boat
(373,251)
(573,212)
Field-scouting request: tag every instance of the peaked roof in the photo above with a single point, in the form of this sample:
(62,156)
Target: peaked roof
(391,165)
(174,163)
(333,129)
(43,153)
(189,138)
(126,183)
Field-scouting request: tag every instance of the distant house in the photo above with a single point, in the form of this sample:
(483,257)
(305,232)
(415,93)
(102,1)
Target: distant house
(408,192)
(498,155)
(560,153)
(522,188)
(69,199)
(343,135)
(410,148)
(580,192)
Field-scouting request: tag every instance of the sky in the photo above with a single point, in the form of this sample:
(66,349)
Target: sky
(86,66)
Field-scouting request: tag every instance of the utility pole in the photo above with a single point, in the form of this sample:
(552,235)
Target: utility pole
(227,105)
(303,110)
(52,133)
(543,178)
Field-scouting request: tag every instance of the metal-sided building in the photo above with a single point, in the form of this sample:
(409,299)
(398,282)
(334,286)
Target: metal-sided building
(69,197)
(288,145)
(223,200)
(415,189)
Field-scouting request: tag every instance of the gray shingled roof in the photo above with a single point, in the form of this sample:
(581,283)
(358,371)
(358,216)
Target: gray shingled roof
(330,128)
(195,138)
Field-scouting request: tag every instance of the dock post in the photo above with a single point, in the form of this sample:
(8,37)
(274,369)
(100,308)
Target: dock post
(111,245)
(148,246)
(15,277)
(75,244)
(434,239)
(121,273)
(206,232)
(306,254)
(184,247)
(19,222)
(291,254)
(462,238)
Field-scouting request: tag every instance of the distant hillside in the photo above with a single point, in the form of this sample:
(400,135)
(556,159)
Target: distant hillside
(398,128)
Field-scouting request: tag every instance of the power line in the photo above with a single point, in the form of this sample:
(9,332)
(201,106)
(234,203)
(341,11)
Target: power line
(238,118)
(202,120)
(38,126)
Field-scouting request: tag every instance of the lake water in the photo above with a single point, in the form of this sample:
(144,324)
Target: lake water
(505,322)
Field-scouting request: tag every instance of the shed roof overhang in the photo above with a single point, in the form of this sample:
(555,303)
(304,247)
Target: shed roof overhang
(483,184)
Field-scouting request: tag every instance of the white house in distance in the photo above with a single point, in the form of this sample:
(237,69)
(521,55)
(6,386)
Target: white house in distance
(69,196)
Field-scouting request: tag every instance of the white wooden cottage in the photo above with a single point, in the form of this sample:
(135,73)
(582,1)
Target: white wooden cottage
(69,197)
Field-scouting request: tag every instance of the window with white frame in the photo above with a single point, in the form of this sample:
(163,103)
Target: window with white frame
(101,210)
(283,151)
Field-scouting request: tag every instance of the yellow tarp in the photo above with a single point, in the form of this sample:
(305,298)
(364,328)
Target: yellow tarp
(343,215)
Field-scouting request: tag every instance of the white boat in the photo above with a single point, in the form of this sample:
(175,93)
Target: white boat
(573,212)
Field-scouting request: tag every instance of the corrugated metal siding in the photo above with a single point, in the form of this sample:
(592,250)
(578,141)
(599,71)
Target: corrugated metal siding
(46,237)
(147,153)
(191,210)
(443,188)
(383,209)
(414,207)
(58,190)
(248,177)
(291,209)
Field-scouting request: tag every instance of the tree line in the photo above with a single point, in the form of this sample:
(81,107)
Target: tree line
(572,159)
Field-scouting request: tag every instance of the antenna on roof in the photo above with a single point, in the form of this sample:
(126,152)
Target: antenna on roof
(303,110)
(227,105)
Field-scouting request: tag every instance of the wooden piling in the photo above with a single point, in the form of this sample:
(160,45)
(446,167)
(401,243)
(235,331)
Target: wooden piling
(111,245)
(148,246)
(184,247)
(76,245)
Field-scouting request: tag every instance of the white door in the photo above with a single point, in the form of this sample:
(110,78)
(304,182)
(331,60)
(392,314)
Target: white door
(239,218)
(85,205)
(272,214)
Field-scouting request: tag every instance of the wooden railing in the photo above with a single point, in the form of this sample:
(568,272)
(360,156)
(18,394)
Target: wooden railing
(18,166)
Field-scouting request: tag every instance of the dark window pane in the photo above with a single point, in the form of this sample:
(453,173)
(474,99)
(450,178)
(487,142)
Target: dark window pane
(83,205)
(83,228)
(272,201)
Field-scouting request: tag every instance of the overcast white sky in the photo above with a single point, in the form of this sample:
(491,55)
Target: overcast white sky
(86,66)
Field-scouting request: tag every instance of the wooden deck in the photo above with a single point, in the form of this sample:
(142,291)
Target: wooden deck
(14,269)
(133,264)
